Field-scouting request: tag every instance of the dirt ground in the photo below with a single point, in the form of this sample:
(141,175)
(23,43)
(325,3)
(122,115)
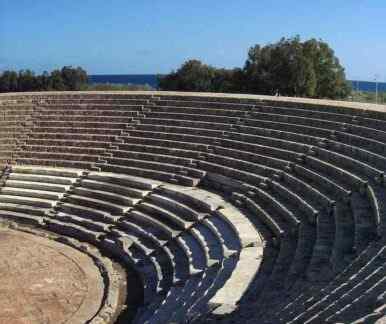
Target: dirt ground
(42,281)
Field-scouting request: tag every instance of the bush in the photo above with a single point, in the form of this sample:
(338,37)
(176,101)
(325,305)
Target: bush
(193,75)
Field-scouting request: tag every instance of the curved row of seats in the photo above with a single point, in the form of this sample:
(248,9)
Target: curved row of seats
(185,249)
(309,176)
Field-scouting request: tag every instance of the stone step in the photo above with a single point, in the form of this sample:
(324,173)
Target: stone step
(82,221)
(25,209)
(46,171)
(79,232)
(38,186)
(124,180)
(22,217)
(164,214)
(95,203)
(156,225)
(87,212)
(105,196)
(36,178)
(115,188)
(30,201)
(48,195)
(175,206)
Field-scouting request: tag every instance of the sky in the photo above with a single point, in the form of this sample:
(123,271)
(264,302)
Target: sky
(156,36)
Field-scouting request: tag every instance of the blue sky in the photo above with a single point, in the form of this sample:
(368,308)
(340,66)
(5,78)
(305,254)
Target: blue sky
(126,36)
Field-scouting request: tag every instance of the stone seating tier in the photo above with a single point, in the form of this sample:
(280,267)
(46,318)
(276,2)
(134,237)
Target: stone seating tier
(152,179)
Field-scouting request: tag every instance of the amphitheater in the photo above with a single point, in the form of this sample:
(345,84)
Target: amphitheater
(162,207)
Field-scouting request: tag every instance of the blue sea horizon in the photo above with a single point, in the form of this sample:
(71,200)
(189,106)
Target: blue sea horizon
(368,86)
(152,81)
(136,79)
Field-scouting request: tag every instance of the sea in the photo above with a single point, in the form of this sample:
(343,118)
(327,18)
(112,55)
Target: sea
(368,86)
(136,79)
(152,80)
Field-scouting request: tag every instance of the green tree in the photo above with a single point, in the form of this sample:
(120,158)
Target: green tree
(294,68)
(289,67)
(73,78)
(43,81)
(331,82)
(56,81)
(67,78)
(191,76)
(27,81)
(227,80)
(8,81)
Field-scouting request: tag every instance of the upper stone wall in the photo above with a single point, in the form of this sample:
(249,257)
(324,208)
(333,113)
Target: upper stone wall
(290,101)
